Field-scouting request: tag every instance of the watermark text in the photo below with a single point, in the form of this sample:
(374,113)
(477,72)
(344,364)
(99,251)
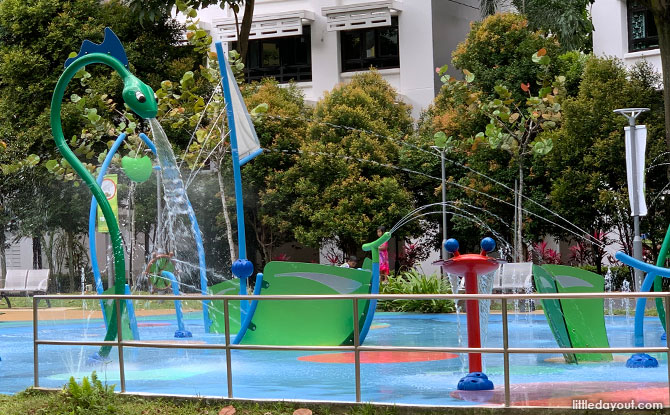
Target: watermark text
(614,406)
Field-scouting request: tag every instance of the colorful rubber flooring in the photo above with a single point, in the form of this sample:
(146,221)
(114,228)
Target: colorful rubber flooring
(389,377)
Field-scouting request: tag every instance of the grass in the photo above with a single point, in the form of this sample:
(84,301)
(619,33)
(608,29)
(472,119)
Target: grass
(37,402)
(94,304)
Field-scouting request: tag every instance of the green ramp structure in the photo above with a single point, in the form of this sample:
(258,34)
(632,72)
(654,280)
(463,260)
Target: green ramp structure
(215,309)
(574,322)
(301,322)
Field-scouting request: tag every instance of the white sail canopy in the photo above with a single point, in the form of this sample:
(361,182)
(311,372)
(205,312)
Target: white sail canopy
(636,177)
(244,133)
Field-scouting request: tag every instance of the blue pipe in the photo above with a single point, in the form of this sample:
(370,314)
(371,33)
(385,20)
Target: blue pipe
(239,206)
(374,289)
(652,271)
(251,310)
(181,330)
(91,230)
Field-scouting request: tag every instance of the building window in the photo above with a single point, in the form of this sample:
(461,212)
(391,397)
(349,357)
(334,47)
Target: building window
(282,58)
(642,34)
(376,47)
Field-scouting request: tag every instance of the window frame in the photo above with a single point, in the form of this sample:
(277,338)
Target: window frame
(285,72)
(362,63)
(648,42)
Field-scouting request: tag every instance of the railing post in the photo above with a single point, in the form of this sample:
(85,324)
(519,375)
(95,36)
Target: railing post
(229,366)
(119,344)
(357,353)
(505,352)
(36,370)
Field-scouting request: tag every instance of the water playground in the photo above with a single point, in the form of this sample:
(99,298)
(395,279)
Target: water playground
(312,332)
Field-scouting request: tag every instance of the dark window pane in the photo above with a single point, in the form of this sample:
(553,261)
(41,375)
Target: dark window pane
(270,54)
(370,44)
(642,33)
(377,47)
(283,58)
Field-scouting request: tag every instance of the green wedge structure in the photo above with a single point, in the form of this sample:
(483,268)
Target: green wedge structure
(314,322)
(574,322)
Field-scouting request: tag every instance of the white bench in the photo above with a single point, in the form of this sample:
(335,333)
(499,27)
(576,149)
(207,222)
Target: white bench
(22,282)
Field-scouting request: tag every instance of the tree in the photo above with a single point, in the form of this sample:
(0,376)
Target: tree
(338,188)
(152,9)
(497,50)
(280,131)
(661,11)
(31,60)
(588,167)
(520,95)
(568,20)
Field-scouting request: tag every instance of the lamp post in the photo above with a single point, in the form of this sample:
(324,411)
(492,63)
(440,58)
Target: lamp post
(638,207)
(441,147)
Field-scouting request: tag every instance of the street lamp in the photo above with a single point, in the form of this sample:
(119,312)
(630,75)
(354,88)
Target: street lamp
(635,149)
(441,146)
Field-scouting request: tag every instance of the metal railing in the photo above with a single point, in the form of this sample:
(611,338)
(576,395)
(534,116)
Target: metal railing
(357,348)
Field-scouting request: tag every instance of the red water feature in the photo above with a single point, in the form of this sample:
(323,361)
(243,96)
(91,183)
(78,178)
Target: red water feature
(471,266)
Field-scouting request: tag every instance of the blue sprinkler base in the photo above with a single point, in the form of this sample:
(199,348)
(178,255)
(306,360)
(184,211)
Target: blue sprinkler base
(181,334)
(475,381)
(95,360)
(641,360)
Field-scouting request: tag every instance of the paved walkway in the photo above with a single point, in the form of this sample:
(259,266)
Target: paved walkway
(66,313)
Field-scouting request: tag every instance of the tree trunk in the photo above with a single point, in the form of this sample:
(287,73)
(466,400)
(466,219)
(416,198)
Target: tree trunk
(3,258)
(260,233)
(245,29)
(37,252)
(661,13)
(147,255)
(226,215)
(49,252)
(71,268)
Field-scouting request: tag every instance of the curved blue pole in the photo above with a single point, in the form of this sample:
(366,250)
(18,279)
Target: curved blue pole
(250,312)
(239,205)
(374,289)
(652,271)
(91,230)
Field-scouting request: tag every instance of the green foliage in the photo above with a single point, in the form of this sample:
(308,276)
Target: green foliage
(90,397)
(571,65)
(497,50)
(281,129)
(588,164)
(413,282)
(338,186)
(568,20)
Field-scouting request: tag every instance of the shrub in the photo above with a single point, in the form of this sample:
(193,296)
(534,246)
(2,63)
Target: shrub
(412,282)
(90,397)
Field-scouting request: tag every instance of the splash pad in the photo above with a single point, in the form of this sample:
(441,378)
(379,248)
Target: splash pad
(255,322)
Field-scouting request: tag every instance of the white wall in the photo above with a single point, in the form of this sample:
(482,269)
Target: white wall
(20,254)
(450,26)
(610,37)
(414,80)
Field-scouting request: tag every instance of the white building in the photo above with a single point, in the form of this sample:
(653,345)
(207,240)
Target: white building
(321,43)
(626,30)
